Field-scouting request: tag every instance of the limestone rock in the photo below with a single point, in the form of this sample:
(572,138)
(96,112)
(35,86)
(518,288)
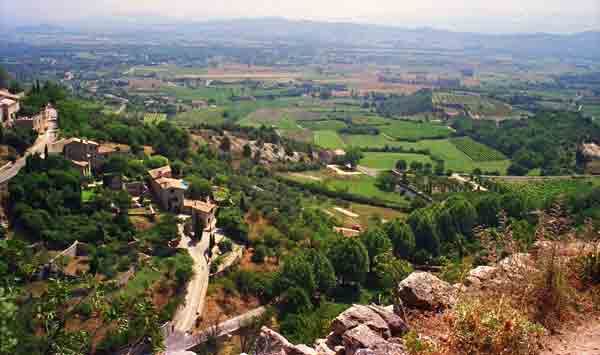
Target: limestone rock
(360,315)
(424,290)
(361,337)
(395,323)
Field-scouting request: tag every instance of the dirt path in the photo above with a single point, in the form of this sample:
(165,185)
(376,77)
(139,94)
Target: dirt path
(585,340)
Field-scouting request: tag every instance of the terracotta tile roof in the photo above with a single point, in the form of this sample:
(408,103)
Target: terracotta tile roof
(113,147)
(169,183)
(79,140)
(591,150)
(160,172)
(201,206)
(4,93)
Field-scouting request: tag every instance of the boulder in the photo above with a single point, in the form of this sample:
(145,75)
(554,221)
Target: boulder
(272,343)
(516,265)
(361,337)
(383,349)
(424,290)
(360,315)
(480,275)
(395,323)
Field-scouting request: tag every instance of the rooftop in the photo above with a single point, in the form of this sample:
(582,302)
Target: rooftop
(164,171)
(201,206)
(80,140)
(6,94)
(591,150)
(169,183)
(113,147)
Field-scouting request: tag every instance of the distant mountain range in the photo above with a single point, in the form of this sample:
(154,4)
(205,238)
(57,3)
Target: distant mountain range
(585,45)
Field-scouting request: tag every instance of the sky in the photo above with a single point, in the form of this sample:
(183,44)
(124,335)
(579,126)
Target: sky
(461,15)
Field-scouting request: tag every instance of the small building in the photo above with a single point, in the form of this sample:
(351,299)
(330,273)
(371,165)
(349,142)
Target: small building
(168,191)
(205,210)
(94,153)
(39,122)
(10,106)
(590,153)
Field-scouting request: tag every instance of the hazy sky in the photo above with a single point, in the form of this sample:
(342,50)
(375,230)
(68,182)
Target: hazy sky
(468,15)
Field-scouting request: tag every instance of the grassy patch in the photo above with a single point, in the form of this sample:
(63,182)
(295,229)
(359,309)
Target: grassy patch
(410,130)
(87,195)
(328,139)
(368,141)
(326,125)
(455,159)
(154,118)
(387,161)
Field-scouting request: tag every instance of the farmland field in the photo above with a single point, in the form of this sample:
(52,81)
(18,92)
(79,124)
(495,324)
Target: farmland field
(387,161)
(361,185)
(154,118)
(328,139)
(370,120)
(476,150)
(478,106)
(540,192)
(410,130)
(455,159)
(326,125)
(368,141)
(213,116)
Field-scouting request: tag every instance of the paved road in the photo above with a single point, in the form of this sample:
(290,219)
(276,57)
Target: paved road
(180,341)
(38,147)
(185,317)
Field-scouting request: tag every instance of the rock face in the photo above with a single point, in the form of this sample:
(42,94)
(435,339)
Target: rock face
(366,330)
(426,291)
(480,275)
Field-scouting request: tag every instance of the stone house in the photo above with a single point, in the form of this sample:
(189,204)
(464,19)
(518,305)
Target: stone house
(591,157)
(205,210)
(168,191)
(94,153)
(9,106)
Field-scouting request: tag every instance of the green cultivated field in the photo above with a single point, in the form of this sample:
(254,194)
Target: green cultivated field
(368,141)
(455,159)
(477,151)
(154,118)
(361,185)
(328,139)
(538,192)
(213,116)
(327,125)
(413,131)
(370,121)
(387,161)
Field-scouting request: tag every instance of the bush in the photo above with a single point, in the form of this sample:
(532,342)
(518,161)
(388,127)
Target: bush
(493,328)
(259,255)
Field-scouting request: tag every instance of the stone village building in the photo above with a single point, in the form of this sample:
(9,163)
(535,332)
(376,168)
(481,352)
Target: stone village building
(170,193)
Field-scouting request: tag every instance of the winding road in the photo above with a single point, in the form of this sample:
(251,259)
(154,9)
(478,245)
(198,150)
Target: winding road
(38,146)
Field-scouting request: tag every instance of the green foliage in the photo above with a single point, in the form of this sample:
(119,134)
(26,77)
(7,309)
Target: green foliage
(402,237)
(295,300)
(406,105)
(8,310)
(308,326)
(377,242)
(199,189)
(350,260)
(390,270)
(425,229)
(233,224)
(476,150)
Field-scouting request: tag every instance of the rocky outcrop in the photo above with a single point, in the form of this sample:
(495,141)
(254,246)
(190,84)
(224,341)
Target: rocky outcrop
(426,291)
(480,275)
(366,330)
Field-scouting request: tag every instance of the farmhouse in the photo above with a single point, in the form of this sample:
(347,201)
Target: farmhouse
(39,122)
(170,194)
(94,153)
(9,106)
(591,157)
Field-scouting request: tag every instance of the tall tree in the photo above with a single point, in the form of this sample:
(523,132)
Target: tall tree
(350,260)
(402,237)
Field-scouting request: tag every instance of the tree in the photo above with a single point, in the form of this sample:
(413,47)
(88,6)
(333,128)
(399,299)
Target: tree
(401,165)
(377,242)
(8,312)
(200,188)
(350,260)
(322,269)
(247,151)
(424,228)
(297,272)
(353,157)
(402,238)
(225,144)
(385,181)
(4,78)
(439,167)
(259,254)
(296,300)
(390,271)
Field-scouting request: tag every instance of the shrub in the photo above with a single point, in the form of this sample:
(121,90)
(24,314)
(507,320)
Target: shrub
(416,345)
(492,328)
(259,255)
